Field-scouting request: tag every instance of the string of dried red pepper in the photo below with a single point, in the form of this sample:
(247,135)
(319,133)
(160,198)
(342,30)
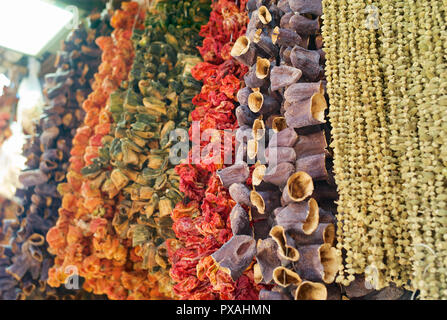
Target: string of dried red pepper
(201,221)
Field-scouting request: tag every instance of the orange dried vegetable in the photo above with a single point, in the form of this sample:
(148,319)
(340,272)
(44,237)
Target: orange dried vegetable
(81,237)
(202,226)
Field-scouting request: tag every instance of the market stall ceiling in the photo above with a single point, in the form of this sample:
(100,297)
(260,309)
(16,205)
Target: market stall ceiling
(27,26)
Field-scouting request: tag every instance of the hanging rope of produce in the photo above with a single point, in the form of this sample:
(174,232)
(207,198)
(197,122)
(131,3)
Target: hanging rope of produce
(279,218)
(202,219)
(387,87)
(25,260)
(79,238)
(133,164)
(8,102)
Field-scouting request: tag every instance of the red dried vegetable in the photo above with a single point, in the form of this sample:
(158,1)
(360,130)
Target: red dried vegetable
(81,237)
(202,226)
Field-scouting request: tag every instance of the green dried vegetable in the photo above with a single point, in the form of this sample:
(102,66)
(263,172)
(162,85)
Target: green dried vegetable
(156,101)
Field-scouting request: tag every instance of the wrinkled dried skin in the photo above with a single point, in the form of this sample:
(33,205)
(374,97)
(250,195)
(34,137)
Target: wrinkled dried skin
(240,194)
(272,295)
(275,155)
(284,54)
(261,228)
(244,115)
(242,96)
(357,288)
(318,263)
(308,290)
(324,233)
(236,173)
(240,221)
(284,6)
(299,187)
(235,255)
(285,20)
(264,42)
(267,258)
(253,25)
(306,6)
(312,144)
(305,105)
(286,245)
(284,76)
(284,138)
(302,25)
(286,37)
(307,61)
(33,178)
(279,174)
(314,165)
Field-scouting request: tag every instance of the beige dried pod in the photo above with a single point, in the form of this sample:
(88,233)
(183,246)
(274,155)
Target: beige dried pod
(299,187)
(279,124)
(285,277)
(257,275)
(243,52)
(308,290)
(264,15)
(286,249)
(258,175)
(258,129)
(262,68)
(264,104)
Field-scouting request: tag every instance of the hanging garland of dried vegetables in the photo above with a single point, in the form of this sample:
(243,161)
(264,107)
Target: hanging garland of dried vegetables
(8,100)
(201,220)
(25,260)
(80,238)
(157,101)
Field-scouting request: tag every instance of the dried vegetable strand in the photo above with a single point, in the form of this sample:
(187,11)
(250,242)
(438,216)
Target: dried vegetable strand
(8,101)
(80,238)
(394,49)
(201,221)
(26,260)
(157,102)
(401,70)
(432,178)
(279,217)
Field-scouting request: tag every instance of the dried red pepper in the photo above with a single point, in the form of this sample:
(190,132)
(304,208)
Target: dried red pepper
(202,226)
